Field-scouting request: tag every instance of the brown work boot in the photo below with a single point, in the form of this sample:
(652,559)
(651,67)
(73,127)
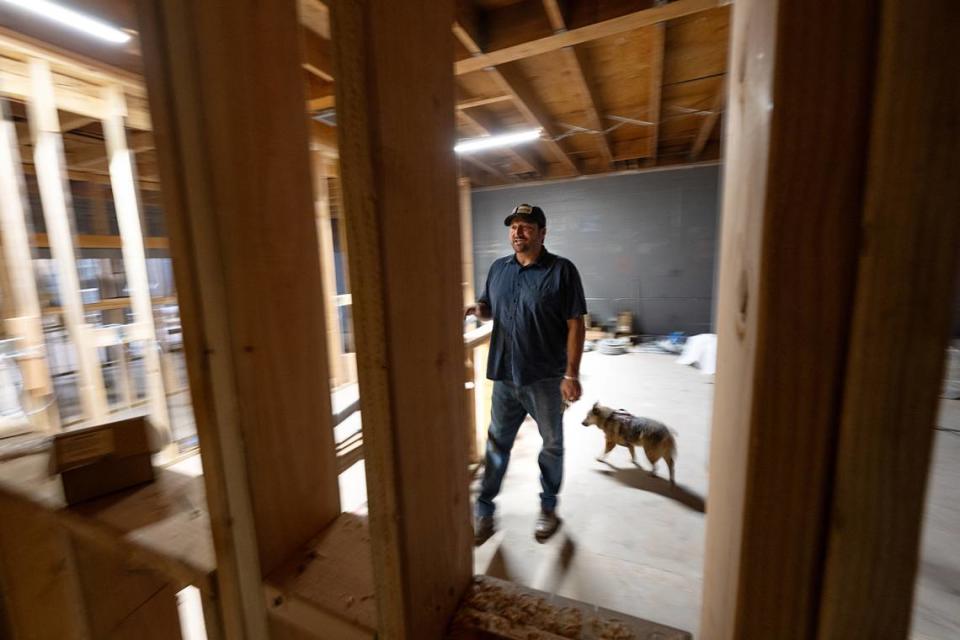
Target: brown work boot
(547,525)
(483,528)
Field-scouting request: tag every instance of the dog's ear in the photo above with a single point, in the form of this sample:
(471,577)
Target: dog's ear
(596,404)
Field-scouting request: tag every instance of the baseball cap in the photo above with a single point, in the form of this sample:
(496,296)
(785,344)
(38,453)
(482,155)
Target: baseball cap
(526,213)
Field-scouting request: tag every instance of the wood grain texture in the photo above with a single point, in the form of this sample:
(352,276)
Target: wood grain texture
(38,578)
(587,33)
(798,125)
(900,326)
(399,187)
(238,200)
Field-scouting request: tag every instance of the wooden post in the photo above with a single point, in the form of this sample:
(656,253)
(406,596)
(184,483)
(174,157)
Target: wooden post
(21,304)
(821,191)
(226,99)
(400,202)
(57,211)
(901,323)
(127,205)
(321,201)
(466,241)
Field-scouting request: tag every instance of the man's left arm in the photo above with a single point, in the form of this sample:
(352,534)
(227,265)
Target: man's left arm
(576,308)
(570,387)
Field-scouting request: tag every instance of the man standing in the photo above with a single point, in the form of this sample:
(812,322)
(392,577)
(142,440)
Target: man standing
(536,301)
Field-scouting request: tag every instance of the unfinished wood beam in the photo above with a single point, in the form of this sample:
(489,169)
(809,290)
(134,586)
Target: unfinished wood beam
(76,122)
(622,24)
(315,16)
(574,61)
(96,153)
(512,81)
(900,327)
(658,43)
(21,303)
(321,203)
(470,103)
(316,55)
(708,124)
(249,284)
(515,86)
(398,172)
(483,166)
(57,213)
(795,158)
(126,200)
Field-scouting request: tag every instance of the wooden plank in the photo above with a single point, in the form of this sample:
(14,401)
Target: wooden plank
(316,54)
(21,302)
(315,16)
(326,589)
(321,202)
(38,578)
(900,327)
(708,124)
(124,600)
(576,63)
(398,171)
(470,103)
(658,43)
(795,159)
(96,153)
(126,200)
(512,81)
(57,213)
(614,26)
(249,284)
(90,241)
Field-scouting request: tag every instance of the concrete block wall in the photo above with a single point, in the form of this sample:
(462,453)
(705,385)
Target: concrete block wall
(643,242)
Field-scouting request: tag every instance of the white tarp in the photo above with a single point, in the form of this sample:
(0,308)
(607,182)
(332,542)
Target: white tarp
(701,350)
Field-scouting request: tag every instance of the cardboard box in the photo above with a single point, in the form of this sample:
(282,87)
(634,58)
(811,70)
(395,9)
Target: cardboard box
(96,461)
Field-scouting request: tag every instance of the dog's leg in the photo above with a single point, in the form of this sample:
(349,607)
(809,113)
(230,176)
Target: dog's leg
(610,444)
(653,462)
(633,454)
(673,481)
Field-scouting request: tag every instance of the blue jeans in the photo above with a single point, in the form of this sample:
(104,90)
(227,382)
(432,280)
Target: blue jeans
(511,404)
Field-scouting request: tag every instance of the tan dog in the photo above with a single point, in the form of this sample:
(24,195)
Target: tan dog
(630,431)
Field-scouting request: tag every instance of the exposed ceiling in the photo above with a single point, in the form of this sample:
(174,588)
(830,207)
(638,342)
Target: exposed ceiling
(614,84)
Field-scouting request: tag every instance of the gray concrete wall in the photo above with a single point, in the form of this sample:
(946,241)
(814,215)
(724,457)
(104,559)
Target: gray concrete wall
(644,242)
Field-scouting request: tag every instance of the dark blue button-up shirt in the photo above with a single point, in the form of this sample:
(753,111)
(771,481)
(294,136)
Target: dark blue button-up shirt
(530,307)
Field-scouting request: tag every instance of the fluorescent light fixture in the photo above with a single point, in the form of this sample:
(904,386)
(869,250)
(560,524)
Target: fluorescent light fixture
(489,142)
(73,19)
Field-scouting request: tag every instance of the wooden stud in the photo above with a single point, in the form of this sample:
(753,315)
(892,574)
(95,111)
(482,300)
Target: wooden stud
(321,201)
(126,201)
(622,24)
(794,167)
(249,284)
(901,323)
(399,186)
(57,211)
(21,302)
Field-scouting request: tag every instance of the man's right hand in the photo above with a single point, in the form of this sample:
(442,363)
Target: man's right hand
(479,309)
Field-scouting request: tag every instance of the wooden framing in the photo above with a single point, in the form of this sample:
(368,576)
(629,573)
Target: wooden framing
(127,205)
(815,504)
(659,34)
(629,22)
(21,304)
(707,126)
(900,325)
(57,212)
(321,202)
(575,62)
(399,188)
(243,234)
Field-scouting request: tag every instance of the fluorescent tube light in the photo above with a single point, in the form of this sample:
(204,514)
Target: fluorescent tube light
(489,142)
(73,19)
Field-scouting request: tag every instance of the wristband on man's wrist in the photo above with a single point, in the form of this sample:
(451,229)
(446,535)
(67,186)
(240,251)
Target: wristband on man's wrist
(566,377)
